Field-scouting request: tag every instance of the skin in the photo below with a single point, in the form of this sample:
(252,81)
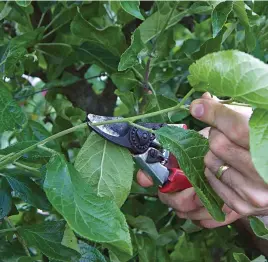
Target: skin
(241,188)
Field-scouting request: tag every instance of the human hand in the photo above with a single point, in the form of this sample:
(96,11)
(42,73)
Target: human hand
(241,188)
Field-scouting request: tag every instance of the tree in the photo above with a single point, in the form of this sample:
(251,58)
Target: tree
(66,194)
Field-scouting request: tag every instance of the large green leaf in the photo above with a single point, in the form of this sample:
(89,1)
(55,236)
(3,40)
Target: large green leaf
(5,199)
(28,190)
(11,115)
(89,253)
(133,8)
(258,227)
(110,38)
(234,74)
(47,237)
(219,16)
(189,148)
(259,141)
(130,57)
(95,218)
(106,167)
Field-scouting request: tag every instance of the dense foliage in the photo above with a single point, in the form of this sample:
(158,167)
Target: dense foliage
(66,194)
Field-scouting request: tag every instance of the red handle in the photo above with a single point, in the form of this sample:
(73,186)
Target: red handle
(177,181)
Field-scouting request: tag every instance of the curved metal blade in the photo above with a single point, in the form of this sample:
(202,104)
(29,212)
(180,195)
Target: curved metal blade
(116,133)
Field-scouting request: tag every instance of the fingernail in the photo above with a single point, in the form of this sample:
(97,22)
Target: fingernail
(197,110)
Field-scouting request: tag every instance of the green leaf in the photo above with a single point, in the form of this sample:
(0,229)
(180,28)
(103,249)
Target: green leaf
(131,56)
(144,224)
(240,11)
(47,237)
(210,46)
(128,98)
(11,251)
(89,253)
(92,217)
(239,257)
(259,141)
(11,115)
(258,227)
(133,8)
(125,81)
(158,102)
(91,53)
(189,148)
(234,74)
(28,190)
(108,168)
(69,239)
(33,155)
(219,16)
(146,248)
(110,38)
(35,131)
(185,250)
(152,26)
(5,10)
(5,199)
(23,3)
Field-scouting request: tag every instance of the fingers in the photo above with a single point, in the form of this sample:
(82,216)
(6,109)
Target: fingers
(143,179)
(230,218)
(230,153)
(183,201)
(201,213)
(228,195)
(233,124)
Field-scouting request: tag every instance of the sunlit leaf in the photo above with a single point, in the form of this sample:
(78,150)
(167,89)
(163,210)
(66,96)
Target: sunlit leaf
(98,164)
(234,74)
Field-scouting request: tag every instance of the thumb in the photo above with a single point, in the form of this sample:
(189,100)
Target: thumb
(233,124)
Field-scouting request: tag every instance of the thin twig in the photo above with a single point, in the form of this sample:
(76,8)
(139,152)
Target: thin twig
(29,168)
(17,155)
(49,88)
(41,19)
(12,229)
(141,127)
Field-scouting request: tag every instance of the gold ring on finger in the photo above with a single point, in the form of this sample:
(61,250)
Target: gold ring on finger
(221,170)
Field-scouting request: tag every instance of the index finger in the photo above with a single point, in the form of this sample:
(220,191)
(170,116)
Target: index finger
(233,124)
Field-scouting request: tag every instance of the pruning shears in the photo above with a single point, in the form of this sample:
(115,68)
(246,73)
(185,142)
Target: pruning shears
(146,151)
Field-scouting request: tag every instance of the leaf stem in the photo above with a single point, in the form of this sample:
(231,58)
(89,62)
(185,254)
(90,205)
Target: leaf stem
(52,31)
(21,240)
(54,19)
(141,127)
(51,44)
(12,229)
(41,19)
(131,119)
(31,169)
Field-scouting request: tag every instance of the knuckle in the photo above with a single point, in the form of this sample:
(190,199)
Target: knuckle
(218,145)
(207,160)
(243,210)
(260,201)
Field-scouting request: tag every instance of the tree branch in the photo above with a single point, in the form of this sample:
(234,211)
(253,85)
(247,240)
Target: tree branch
(17,155)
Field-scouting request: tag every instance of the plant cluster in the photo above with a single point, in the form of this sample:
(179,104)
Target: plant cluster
(66,194)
